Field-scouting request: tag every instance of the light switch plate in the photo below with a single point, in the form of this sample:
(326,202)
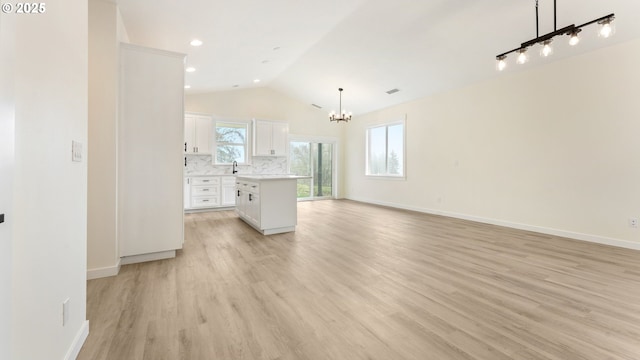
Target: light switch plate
(76,151)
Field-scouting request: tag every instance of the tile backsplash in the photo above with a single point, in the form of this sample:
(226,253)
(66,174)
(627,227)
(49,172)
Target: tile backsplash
(203,165)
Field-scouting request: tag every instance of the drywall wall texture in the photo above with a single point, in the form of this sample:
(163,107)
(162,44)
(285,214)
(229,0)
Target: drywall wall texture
(102,241)
(553,149)
(268,104)
(50,190)
(106,31)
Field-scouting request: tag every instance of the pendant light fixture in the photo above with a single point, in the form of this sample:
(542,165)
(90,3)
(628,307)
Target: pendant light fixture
(573,37)
(522,56)
(342,115)
(544,41)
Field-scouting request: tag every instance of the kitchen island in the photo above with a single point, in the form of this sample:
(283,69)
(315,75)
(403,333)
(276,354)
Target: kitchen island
(268,202)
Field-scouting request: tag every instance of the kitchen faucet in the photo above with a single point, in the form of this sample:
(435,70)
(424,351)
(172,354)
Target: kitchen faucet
(234,167)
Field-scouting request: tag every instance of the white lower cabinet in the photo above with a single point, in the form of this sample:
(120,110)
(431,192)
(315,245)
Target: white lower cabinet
(205,192)
(253,203)
(228,191)
(209,192)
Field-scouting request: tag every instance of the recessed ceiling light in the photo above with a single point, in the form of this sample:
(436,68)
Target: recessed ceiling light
(187,86)
(256,81)
(190,69)
(196,42)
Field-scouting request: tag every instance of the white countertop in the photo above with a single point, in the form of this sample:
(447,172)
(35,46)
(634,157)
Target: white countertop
(272,177)
(208,175)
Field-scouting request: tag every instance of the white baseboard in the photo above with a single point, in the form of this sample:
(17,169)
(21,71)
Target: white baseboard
(543,230)
(79,340)
(222,208)
(134,259)
(103,271)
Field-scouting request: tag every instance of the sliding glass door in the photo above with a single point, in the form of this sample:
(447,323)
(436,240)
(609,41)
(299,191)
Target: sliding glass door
(316,160)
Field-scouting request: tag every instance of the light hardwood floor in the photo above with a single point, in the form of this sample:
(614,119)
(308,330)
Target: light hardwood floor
(358,281)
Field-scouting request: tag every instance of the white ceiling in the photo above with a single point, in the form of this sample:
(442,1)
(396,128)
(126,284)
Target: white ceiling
(309,48)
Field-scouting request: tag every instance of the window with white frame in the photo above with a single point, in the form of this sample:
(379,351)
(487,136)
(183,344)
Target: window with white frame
(231,142)
(385,149)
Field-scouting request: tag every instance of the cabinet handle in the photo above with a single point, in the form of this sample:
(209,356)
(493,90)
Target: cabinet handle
(205,189)
(205,180)
(238,193)
(205,200)
(185,161)
(273,152)
(185,147)
(250,197)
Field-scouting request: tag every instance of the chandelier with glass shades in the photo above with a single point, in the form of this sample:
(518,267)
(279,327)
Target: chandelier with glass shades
(342,115)
(606,30)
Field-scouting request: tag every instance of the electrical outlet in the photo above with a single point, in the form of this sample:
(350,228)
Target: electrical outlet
(65,311)
(633,223)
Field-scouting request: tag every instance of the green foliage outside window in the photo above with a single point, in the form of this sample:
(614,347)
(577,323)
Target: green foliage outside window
(231,142)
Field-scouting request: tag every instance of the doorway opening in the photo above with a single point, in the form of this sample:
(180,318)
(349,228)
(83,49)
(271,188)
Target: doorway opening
(315,159)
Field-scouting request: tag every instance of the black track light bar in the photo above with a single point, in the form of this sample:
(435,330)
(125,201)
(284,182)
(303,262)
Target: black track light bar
(563,31)
(608,17)
(567,30)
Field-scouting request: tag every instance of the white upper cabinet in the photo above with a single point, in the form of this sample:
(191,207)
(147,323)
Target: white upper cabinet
(270,138)
(198,132)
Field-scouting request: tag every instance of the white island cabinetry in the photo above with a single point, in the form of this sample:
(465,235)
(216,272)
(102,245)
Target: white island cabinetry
(268,203)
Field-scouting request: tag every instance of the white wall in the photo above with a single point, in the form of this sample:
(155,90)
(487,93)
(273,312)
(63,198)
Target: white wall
(269,104)
(553,149)
(102,244)
(7,132)
(50,191)
(106,30)
(121,30)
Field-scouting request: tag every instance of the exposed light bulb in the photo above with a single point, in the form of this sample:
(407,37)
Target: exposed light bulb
(501,64)
(522,56)
(546,48)
(574,39)
(606,29)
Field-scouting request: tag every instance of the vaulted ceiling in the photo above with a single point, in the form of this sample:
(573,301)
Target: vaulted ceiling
(309,48)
